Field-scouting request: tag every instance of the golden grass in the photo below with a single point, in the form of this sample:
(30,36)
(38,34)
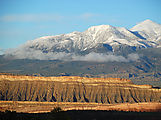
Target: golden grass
(39,107)
(63,79)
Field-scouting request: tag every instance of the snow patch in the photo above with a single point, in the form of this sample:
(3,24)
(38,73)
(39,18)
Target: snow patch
(67,46)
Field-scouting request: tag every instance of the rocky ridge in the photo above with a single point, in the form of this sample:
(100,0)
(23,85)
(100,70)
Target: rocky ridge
(75,89)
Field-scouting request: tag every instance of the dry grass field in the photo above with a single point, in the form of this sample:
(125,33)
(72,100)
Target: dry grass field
(42,107)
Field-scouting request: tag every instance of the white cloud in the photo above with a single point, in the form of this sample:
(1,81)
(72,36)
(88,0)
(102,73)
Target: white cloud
(30,17)
(133,57)
(100,57)
(46,17)
(27,53)
(87,16)
(1,51)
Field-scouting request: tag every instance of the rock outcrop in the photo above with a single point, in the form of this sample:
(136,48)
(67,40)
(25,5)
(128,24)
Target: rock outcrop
(75,89)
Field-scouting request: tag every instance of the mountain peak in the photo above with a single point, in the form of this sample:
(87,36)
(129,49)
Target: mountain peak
(100,27)
(147,25)
(148,29)
(147,21)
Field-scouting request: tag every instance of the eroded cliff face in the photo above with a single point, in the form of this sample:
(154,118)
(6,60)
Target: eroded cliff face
(75,89)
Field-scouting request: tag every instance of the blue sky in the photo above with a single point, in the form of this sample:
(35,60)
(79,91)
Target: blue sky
(22,20)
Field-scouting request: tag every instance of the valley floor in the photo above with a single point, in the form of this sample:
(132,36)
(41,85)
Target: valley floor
(18,110)
(44,107)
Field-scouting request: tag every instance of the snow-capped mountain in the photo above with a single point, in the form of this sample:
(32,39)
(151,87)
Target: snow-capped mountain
(149,30)
(102,38)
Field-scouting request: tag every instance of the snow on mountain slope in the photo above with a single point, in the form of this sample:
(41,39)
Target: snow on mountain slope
(143,35)
(149,30)
(105,34)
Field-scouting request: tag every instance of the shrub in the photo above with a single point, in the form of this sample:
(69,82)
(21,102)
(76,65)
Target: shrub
(56,110)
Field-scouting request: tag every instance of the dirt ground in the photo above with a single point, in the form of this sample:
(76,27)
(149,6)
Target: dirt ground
(42,107)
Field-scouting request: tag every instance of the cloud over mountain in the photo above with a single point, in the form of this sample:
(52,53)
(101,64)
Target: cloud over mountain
(95,57)
(102,43)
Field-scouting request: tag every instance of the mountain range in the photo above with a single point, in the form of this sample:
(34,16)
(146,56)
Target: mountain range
(100,51)
(104,39)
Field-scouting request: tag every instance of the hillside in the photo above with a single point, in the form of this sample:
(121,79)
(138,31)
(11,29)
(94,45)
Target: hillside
(146,70)
(75,89)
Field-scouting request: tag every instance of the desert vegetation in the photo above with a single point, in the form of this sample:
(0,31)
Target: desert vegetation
(81,115)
